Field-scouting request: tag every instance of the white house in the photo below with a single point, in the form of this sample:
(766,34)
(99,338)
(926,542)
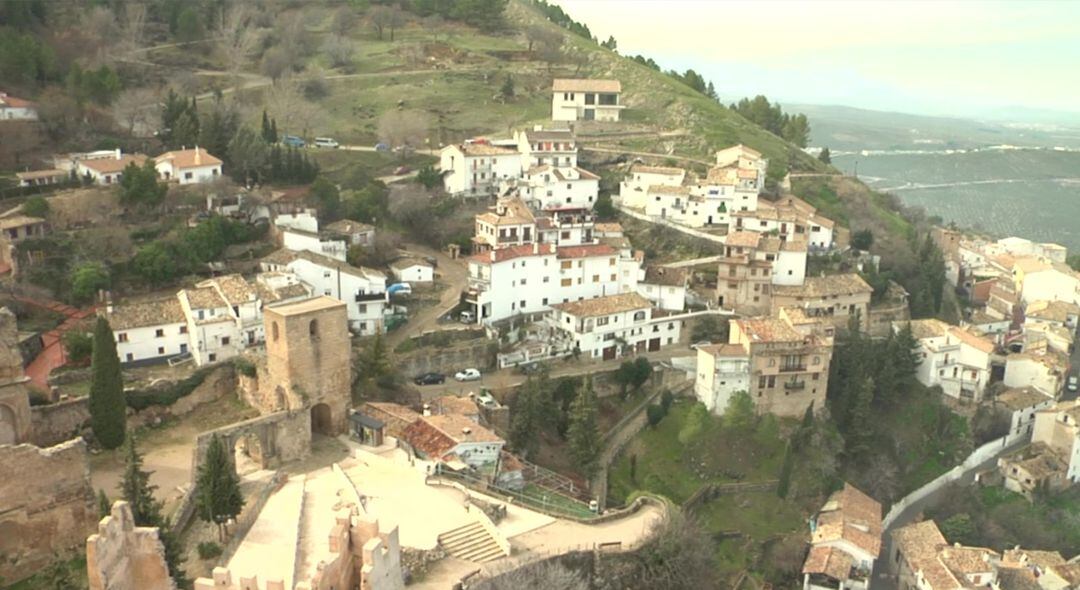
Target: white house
(722,371)
(412,270)
(952,358)
(744,157)
(149,331)
(566,227)
(362,289)
(1045,372)
(664,287)
(1058,313)
(211,325)
(299,240)
(588,100)
(453,439)
(1022,403)
(540,147)
(355,232)
(304,220)
(188,166)
(549,187)
(42,177)
(107,170)
(477,167)
(634,188)
(1042,281)
(789,217)
(16,109)
(845,540)
(509,222)
(612,326)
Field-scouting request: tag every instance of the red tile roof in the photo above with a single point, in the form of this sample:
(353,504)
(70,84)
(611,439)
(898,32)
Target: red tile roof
(585,251)
(511,252)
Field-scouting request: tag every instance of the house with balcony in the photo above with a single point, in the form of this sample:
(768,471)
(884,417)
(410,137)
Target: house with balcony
(1022,403)
(585,99)
(509,223)
(566,227)
(362,289)
(836,299)
(753,266)
(546,147)
(845,540)
(612,326)
(478,167)
(790,217)
(1056,313)
(789,361)
(952,358)
(722,371)
(548,187)
(744,157)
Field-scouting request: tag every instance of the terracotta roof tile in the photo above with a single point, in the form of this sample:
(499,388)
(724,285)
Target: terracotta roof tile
(828,561)
(193,158)
(601,306)
(585,251)
(512,252)
(585,85)
(853,516)
(111,165)
(841,284)
(144,314)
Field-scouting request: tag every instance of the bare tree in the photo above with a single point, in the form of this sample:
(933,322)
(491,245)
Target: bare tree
(274,63)
(100,23)
(339,50)
(403,129)
(130,110)
(396,21)
(549,47)
(678,556)
(433,23)
(344,21)
(380,19)
(237,39)
(544,574)
(135,24)
(293,111)
(536,34)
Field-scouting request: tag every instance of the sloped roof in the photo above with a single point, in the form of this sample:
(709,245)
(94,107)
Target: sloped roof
(668,277)
(143,314)
(585,85)
(766,329)
(1021,398)
(193,158)
(851,515)
(349,226)
(204,298)
(601,306)
(512,252)
(664,170)
(828,561)
(841,284)
(585,251)
(112,164)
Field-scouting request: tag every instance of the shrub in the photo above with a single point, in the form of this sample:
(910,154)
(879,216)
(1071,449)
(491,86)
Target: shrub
(655,413)
(140,400)
(78,346)
(244,366)
(36,206)
(209,550)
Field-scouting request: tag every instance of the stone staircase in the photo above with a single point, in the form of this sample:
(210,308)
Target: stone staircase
(471,542)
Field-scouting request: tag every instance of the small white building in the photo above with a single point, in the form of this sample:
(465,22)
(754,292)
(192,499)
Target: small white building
(664,287)
(188,166)
(634,188)
(845,541)
(477,167)
(453,439)
(549,187)
(1022,403)
(586,100)
(612,326)
(412,270)
(211,325)
(355,232)
(149,331)
(1045,372)
(1044,281)
(107,170)
(722,371)
(42,177)
(16,109)
(299,240)
(1057,313)
(509,222)
(952,358)
(546,147)
(362,289)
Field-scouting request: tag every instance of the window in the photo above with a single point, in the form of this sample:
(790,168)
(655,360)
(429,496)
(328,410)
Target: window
(161,350)
(639,316)
(522,304)
(159,333)
(772,381)
(122,337)
(545,301)
(187,176)
(326,274)
(225,340)
(566,264)
(546,279)
(213,357)
(130,357)
(596,278)
(183,329)
(567,282)
(761,382)
(614,277)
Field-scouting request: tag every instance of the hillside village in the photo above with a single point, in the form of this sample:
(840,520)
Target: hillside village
(559,337)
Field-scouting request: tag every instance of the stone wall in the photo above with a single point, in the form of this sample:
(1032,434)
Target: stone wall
(281,437)
(121,556)
(46,505)
(55,423)
(882,316)
(449,360)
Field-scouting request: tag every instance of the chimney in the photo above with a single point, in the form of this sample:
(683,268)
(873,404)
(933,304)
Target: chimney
(197,158)
(117,153)
(427,410)
(536,248)
(466,430)
(492,254)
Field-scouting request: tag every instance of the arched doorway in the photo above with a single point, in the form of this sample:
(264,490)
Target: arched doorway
(322,420)
(7,426)
(248,454)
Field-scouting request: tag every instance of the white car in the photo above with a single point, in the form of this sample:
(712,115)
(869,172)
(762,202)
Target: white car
(326,142)
(1074,383)
(468,375)
(484,398)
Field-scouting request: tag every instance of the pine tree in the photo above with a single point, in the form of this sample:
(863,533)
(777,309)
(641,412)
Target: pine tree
(107,405)
(825,156)
(507,89)
(217,488)
(524,420)
(273,131)
(905,355)
(860,431)
(136,489)
(582,435)
(267,132)
(104,506)
(784,483)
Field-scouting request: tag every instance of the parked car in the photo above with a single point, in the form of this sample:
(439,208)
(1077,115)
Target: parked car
(430,379)
(485,399)
(1074,383)
(468,375)
(326,142)
(382,147)
(467,317)
(399,289)
(293,141)
(402,170)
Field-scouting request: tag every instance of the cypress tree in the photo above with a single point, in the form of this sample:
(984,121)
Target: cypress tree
(784,483)
(107,405)
(583,436)
(524,420)
(267,132)
(217,488)
(104,506)
(136,489)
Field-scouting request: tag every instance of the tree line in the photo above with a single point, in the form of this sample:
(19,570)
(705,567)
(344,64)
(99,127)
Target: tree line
(793,128)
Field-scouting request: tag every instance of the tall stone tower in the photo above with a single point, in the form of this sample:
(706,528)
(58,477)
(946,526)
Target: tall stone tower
(307,361)
(14,401)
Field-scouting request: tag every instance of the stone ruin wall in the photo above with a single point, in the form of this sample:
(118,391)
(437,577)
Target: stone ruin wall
(122,556)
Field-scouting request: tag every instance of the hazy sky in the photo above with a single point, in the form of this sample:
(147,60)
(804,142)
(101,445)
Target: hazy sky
(966,57)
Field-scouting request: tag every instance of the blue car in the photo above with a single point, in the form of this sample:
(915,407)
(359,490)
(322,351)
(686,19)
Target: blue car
(382,147)
(293,141)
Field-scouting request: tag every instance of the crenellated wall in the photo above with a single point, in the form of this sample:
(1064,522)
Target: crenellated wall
(122,556)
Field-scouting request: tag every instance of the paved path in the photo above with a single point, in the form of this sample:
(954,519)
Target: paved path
(882,570)
(454,275)
(52,353)
(694,262)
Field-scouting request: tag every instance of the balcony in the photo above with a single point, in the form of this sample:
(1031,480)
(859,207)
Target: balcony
(795,385)
(793,369)
(362,297)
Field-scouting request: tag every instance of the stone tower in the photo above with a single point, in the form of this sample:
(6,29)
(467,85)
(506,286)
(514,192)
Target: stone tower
(14,401)
(308,361)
